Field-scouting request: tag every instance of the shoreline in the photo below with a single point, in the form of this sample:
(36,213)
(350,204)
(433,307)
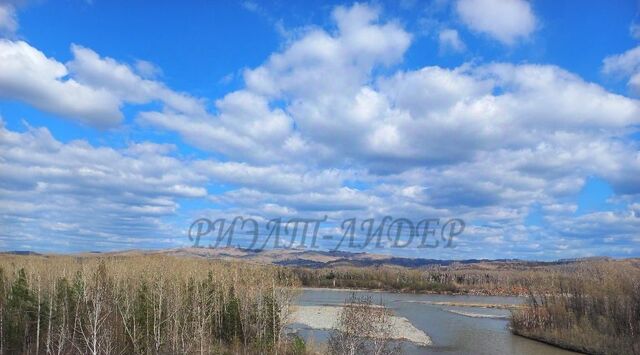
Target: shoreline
(347,289)
(507,306)
(545,340)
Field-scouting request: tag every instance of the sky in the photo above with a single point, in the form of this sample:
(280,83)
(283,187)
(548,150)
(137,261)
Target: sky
(121,123)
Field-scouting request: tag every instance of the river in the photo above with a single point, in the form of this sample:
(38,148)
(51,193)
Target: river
(453,329)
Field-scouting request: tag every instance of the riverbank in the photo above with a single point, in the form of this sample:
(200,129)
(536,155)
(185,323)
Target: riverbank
(474,305)
(497,293)
(556,342)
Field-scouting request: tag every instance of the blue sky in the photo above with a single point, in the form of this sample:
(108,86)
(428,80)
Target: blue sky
(123,122)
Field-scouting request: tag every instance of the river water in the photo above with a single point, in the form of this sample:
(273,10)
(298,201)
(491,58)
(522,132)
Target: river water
(453,330)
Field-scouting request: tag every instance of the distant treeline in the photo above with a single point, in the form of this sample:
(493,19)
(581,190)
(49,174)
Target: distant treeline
(468,279)
(595,308)
(142,305)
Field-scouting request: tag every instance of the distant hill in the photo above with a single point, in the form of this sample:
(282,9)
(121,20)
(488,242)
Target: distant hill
(20,252)
(327,259)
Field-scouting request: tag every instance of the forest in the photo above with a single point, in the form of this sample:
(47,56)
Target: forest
(483,278)
(142,305)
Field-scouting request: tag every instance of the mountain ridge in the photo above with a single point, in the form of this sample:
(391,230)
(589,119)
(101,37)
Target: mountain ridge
(320,258)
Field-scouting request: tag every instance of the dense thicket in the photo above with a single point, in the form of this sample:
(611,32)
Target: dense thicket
(595,308)
(141,305)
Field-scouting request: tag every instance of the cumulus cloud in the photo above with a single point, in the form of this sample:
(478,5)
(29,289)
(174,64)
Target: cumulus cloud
(436,115)
(504,20)
(26,74)
(430,115)
(54,192)
(361,43)
(89,89)
(246,128)
(330,126)
(439,126)
(109,75)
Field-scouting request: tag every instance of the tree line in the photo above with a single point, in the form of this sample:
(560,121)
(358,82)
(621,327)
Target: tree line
(480,279)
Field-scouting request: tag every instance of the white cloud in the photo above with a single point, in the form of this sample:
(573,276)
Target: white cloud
(505,20)
(275,178)
(88,89)
(625,65)
(347,56)
(450,41)
(245,129)
(329,126)
(147,69)
(54,192)
(26,74)
(436,115)
(622,64)
(8,19)
(340,201)
(429,117)
(119,79)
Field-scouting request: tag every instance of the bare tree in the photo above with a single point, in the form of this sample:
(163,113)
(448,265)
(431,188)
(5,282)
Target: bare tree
(363,328)
(141,305)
